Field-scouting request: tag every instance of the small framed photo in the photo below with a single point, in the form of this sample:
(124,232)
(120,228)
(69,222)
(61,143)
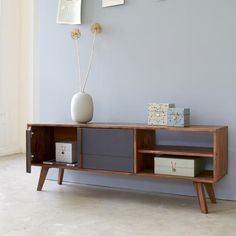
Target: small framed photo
(69,12)
(111,3)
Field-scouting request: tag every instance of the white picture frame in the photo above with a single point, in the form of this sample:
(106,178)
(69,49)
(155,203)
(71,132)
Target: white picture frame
(69,12)
(111,3)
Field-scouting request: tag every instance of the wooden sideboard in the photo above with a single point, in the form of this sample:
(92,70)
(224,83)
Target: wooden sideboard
(127,149)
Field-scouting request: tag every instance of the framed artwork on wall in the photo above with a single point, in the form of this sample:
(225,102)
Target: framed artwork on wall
(69,12)
(110,3)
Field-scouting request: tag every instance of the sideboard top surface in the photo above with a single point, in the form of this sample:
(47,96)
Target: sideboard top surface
(192,128)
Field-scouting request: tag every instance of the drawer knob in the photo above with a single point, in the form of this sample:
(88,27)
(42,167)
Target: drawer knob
(173,166)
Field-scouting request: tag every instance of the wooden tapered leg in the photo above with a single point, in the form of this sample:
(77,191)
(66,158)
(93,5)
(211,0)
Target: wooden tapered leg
(43,175)
(210,192)
(201,197)
(60,175)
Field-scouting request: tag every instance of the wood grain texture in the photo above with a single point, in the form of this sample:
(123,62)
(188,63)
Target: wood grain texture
(42,177)
(143,139)
(201,197)
(204,177)
(42,144)
(210,192)
(179,151)
(60,176)
(220,153)
(77,168)
(193,128)
(62,134)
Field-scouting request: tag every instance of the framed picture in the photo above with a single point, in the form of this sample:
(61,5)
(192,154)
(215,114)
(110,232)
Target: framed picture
(110,3)
(69,12)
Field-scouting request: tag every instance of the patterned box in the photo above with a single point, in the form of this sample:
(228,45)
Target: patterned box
(157,113)
(179,117)
(66,152)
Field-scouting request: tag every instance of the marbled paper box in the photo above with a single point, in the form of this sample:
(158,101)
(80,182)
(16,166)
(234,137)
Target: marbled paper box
(157,113)
(179,117)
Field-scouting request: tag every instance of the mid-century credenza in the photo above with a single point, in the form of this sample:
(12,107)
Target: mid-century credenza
(127,149)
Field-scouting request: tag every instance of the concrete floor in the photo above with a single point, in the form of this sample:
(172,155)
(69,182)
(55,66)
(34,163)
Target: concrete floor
(92,211)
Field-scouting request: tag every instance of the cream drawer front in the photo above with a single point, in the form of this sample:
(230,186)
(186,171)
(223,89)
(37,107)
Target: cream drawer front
(185,163)
(189,167)
(167,170)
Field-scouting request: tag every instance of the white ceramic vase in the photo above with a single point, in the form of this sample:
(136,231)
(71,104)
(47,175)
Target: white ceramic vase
(82,108)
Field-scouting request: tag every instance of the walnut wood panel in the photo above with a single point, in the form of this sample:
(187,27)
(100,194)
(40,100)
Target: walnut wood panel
(179,151)
(143,139)
(193,128)
(220,153)
(77,168)
(43,145)
(204,177)
(61,134)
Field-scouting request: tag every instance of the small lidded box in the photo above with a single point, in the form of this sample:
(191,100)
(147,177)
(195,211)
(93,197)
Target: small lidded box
(157,113)
(179,117)
(178,166)
(66,152)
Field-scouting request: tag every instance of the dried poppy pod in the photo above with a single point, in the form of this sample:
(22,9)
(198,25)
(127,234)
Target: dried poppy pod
(96,28)
(75,34)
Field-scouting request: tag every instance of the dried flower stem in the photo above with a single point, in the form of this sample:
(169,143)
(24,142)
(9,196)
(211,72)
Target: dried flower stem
(90,62)
(78,60)
(75,35)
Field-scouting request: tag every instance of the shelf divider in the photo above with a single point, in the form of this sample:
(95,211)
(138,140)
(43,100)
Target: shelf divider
(179,151)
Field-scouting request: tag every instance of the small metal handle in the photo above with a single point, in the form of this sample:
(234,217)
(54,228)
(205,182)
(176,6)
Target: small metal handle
(173,166)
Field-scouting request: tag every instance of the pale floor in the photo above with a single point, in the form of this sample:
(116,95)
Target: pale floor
(91,211)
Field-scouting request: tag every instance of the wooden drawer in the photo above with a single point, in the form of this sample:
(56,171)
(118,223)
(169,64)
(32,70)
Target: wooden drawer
(108,142)
(112,163)
(184,166)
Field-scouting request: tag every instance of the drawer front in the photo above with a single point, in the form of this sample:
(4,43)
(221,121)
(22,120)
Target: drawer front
(112,163)
(178,166)
(184,163)
(108,142)
(178,171)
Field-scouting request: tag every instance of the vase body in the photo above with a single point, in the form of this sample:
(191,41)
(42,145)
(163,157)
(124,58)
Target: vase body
(82,108)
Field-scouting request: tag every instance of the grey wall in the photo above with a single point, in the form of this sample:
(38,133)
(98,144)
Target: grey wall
(180,51)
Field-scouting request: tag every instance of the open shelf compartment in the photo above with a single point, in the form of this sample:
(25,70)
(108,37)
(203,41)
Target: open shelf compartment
(44,140)
(147,149)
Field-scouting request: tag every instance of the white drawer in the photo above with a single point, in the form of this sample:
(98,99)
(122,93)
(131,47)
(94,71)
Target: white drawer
(181,166)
